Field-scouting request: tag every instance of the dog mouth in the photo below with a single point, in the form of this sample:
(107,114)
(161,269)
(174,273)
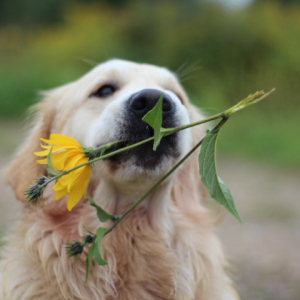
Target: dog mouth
(131,129)
(143,155)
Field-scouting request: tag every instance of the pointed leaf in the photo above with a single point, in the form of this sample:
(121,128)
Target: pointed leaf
(103,216)
(89,260)
(208,171)
(97,252)
(98,257)
(157,140)
(88,230)
(251,99)
(154,119)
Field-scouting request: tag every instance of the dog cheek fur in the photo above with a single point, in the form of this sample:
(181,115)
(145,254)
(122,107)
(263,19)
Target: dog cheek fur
(164,249)
(24,170)
(170,250)
(168,262)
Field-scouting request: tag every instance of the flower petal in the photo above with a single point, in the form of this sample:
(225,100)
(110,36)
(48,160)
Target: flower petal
(42,153)
(58,148)
(61,140)
(75,161)
(59,186)
(42,161)
(79,189)
(58,160)
(55,149)
(67,153)
(61,193)
(64,139)
(72,182)
(66,179)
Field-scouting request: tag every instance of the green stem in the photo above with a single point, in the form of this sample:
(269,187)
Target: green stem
(117,151)
(106,146)
(122,216)
(98,158)
(168,131)
(175,129)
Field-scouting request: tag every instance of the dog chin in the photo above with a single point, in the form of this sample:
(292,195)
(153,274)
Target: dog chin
(143,162)
(131,171)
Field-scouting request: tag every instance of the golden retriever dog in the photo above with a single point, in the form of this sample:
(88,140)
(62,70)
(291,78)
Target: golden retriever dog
(165,248)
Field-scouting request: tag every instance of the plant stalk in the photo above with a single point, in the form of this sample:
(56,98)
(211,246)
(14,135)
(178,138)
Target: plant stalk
(123,215)
(106,146)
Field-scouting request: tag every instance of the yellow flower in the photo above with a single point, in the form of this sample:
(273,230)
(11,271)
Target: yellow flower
(67,154)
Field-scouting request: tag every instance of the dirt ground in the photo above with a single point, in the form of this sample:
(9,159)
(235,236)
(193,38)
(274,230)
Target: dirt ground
(264,252)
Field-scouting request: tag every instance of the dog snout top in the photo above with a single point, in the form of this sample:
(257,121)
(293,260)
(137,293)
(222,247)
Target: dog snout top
(143,101)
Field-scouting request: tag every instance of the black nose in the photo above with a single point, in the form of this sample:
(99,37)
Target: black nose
(142,102)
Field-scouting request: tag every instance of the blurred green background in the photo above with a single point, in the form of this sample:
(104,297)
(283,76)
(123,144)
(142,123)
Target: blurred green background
(222,51)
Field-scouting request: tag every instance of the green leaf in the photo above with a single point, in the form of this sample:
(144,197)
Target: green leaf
(89,260)
(208,171)
(88,230)
(154,119)
(103,216)
(250,100)
(97,252)
(51,171)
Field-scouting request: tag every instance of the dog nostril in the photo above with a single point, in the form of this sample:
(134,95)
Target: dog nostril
(143,101)
(167,105)
(139,104)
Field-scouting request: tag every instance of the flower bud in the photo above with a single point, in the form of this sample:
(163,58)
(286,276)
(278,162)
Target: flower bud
(34,193)
(88,239)
(41,180)
(74,249)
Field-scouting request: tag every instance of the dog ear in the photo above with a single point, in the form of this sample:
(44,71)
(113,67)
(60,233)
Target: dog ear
(24,169)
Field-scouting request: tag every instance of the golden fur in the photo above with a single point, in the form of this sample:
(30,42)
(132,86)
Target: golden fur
(164,249)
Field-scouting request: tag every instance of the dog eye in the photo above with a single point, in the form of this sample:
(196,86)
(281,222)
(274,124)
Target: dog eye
(104,91)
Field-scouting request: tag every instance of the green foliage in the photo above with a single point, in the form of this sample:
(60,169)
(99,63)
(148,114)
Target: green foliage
(95,251)
(250,100)
(208,171)
(103,216)
(207,158)
(89,260)
(154,119)
(98,257)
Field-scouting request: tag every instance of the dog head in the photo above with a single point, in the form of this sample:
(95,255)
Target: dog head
(106,105)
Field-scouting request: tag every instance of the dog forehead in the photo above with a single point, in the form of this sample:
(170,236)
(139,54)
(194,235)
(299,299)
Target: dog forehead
(125,71)
(127,76)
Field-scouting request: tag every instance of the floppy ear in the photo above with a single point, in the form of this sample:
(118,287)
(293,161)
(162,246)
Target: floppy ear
(24,169)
